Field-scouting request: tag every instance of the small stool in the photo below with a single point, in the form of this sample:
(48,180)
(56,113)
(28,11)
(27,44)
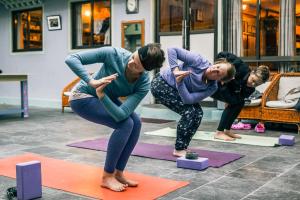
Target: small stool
(29,181)
(287,140)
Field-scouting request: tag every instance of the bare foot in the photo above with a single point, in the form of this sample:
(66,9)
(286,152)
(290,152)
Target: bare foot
(120,177)
(110,182)
(179,153)
(220,135)
(233,135)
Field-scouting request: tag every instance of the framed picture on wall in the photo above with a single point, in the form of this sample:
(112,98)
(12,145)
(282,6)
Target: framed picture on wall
(54,22)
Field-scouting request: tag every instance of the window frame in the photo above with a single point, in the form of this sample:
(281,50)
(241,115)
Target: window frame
(258,59)
(173,33)
(14,35)
(73,5)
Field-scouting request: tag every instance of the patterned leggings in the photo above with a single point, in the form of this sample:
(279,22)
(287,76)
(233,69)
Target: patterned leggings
(191,114)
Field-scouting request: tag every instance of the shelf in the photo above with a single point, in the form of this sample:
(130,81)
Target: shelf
(35,31)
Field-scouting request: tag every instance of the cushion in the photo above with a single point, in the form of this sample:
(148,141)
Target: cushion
(261,88)
(293,94)
(67,94)
(255,102)
(281,104)
(286,84)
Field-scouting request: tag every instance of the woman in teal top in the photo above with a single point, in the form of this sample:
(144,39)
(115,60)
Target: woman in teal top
(95,98)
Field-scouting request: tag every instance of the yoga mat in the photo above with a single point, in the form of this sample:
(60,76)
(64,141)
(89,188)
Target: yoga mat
(206,135)
(85,180)
(161,152)
(156,121)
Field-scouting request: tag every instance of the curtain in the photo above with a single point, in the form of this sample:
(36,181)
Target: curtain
(234,25)
(287,40)
(79,30)
(287,29)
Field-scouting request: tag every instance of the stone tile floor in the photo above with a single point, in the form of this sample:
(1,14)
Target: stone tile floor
(264,173)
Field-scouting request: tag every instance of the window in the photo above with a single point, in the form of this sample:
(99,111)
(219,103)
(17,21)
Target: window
(91,24)
(172,15)
(249,27)
(27,30)
(268,27)
(298,27)
(201,15)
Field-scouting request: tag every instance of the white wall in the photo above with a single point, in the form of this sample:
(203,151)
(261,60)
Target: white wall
(146,12)
(47,71)
(200,43)
(203,44)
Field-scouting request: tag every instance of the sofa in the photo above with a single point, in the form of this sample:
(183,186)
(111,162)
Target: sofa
(275,106)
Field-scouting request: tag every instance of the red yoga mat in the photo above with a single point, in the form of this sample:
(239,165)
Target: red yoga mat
(85,180)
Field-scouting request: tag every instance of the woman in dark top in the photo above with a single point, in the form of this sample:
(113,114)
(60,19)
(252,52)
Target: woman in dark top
(234,92)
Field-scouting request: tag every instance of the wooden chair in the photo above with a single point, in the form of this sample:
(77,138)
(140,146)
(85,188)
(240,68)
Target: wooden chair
(273,93)
(66,93)
(255,112)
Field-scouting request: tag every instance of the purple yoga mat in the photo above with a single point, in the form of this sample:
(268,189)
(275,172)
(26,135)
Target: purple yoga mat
(161,152)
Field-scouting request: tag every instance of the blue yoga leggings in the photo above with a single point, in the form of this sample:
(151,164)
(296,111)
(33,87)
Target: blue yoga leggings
(123,139)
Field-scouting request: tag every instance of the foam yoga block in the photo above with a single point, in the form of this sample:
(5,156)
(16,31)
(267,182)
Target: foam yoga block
(287,140)
(197,164)
(29,181)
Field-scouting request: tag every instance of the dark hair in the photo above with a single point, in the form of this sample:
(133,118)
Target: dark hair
(262,72)
(230,73)
(151,56)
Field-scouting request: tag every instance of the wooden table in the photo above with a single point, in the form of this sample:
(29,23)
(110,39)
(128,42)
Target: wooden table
(24,92)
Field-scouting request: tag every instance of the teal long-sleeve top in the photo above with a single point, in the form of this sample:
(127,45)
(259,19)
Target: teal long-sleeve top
(113,60)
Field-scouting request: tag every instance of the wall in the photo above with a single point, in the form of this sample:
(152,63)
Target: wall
(47,71)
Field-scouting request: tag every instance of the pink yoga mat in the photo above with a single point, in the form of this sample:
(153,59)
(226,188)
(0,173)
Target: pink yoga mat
(161,152)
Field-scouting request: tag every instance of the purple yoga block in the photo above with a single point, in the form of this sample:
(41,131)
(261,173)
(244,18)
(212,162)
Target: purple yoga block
(199,164)
(29,181)
(287,140)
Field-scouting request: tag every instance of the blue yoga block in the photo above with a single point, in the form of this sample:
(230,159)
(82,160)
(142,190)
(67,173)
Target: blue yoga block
(29,180)
(287,140)
(197,164)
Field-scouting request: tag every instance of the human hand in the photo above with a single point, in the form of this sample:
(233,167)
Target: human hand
(179,75)
(99,90)
(105,80)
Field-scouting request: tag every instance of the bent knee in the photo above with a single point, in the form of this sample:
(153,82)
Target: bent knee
(127,123)
(196,113)
(137,122)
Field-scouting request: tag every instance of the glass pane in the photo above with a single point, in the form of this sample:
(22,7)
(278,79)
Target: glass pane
(249,27)
(133,36)
(20,30)
(273,66)
(102,22)
(269,29)
(27,30)
(35,29)
(84,25)
(298,27)
(171,15)
(202,14)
